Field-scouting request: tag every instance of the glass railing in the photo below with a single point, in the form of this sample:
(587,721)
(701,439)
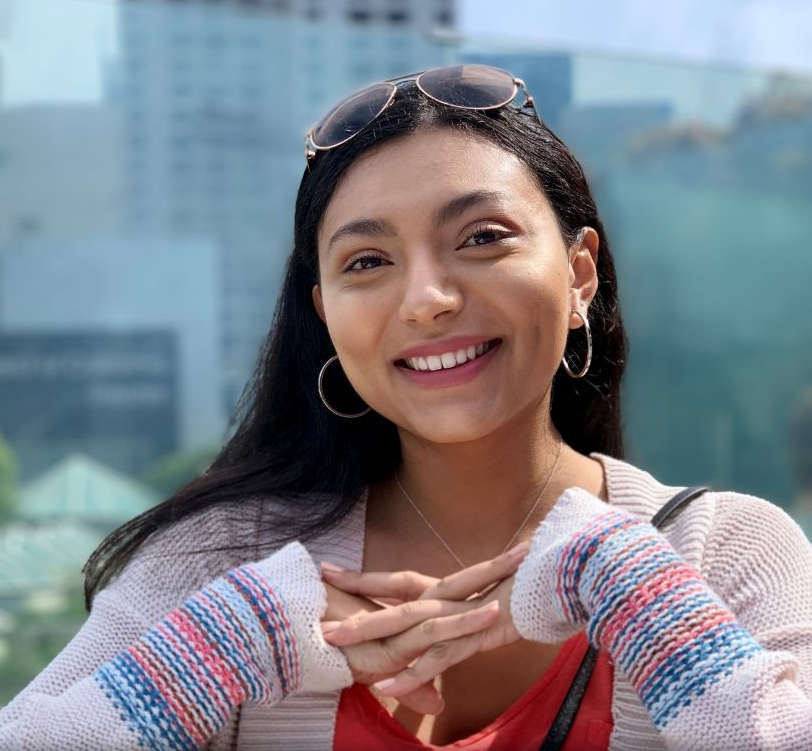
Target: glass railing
(149,157)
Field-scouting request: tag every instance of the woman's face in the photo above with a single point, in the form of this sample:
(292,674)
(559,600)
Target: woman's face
(446,286)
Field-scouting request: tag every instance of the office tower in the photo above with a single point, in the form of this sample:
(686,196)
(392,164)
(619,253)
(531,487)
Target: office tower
(215,98)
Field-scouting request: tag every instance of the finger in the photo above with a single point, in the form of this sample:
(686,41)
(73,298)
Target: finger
(398,585)
(437,659)
(387,601)
(474,579)
(425,699)
(380,624)
(421,639)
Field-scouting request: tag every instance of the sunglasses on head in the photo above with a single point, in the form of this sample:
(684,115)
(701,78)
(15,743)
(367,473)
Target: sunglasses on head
(470,87)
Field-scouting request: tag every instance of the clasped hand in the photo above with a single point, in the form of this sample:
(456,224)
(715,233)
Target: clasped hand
(426,626)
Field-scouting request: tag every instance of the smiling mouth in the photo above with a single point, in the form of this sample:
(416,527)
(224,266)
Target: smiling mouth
(448,360)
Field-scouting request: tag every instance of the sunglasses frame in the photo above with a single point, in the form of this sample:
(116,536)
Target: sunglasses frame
(312,149)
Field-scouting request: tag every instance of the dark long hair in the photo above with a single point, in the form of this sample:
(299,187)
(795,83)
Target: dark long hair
(287,445)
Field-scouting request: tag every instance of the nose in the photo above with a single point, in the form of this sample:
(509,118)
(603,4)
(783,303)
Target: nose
(429,292)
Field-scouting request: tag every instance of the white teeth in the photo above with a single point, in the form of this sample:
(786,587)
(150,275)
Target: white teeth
(448,360)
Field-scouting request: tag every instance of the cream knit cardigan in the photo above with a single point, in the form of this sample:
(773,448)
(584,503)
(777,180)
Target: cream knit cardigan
(752,555)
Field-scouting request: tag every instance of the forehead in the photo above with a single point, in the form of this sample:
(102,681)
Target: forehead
(423,169)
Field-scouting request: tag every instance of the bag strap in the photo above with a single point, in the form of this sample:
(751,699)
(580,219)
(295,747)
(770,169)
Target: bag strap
(683,498)
(554,740)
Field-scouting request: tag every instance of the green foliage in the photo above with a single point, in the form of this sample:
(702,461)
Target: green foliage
(173,471)
(8,481)
(34,640)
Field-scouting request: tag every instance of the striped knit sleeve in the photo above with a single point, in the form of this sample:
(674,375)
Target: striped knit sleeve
(705,681)
(250,636)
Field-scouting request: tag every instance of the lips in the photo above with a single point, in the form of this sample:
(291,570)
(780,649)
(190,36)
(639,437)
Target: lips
(417,368)
(449,359)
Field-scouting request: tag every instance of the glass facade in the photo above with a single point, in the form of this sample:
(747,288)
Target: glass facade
(148,169)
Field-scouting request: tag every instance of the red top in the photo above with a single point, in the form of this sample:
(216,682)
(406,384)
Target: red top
(364,724)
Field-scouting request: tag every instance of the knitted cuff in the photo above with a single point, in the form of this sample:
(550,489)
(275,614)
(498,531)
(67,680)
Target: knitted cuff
(597,566)
(545,605)
(665,628)
(293,576)
(251,635)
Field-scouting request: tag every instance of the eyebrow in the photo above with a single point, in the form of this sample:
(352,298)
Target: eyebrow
(443,215)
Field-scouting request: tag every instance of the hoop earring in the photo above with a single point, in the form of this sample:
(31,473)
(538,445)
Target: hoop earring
(585,369)
(324,398)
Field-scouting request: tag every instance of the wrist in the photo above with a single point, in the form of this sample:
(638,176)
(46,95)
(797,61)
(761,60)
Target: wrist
(546,606)
(292,574)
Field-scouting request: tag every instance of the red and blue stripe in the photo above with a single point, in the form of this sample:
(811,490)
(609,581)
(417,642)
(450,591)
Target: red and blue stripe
(664,627)
(229,643)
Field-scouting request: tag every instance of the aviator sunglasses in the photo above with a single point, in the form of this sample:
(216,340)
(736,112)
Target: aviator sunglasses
(470,87)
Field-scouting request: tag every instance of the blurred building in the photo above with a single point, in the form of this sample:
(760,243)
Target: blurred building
(63,515)
(84,491)
(110,347)
(548,76)
(215,100)
(602,134)
(37,561)
(60,170)
(113,395)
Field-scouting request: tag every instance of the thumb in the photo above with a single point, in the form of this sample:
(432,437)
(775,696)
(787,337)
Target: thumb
(424,700)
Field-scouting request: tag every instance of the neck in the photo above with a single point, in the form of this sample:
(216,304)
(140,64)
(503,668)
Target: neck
(477,494)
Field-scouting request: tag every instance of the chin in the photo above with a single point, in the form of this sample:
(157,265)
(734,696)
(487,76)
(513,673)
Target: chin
(453,427)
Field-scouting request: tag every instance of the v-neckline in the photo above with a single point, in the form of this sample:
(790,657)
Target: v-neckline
(574,648)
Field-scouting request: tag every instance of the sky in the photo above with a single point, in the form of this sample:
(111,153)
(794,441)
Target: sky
(772,34)
(54,56)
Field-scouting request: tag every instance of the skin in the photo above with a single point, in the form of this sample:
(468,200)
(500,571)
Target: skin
(475,455)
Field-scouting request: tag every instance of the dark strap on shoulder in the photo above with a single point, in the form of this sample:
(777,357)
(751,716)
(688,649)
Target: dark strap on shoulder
(562,723)
(675,504)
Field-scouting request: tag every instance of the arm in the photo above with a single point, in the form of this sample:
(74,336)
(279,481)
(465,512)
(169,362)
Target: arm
(251,635)
(705,680)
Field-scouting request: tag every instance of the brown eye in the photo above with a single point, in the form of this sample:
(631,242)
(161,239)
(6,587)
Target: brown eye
(485,236)
(364,263)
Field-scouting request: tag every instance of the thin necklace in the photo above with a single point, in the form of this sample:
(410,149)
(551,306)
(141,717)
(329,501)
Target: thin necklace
(515,534)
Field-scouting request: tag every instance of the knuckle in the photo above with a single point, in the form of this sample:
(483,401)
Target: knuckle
(353,623)
(404,582)
(439,650)
(429,627)
(410,608)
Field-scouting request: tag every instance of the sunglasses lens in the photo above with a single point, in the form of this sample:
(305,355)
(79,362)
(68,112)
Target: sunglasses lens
(351,115)
(471,86)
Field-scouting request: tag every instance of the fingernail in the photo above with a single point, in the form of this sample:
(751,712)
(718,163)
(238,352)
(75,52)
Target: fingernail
(331,568)
(519,550)
(327,627)
(490,607)
(384,684)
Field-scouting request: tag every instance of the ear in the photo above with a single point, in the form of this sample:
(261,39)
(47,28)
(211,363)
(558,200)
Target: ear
(583,256)
(318,303)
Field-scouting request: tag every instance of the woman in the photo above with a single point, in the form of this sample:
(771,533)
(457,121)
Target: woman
(449,260)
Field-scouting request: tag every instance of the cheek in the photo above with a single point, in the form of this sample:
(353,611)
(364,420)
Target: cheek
(542,300)
(356,336)
(350,334)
